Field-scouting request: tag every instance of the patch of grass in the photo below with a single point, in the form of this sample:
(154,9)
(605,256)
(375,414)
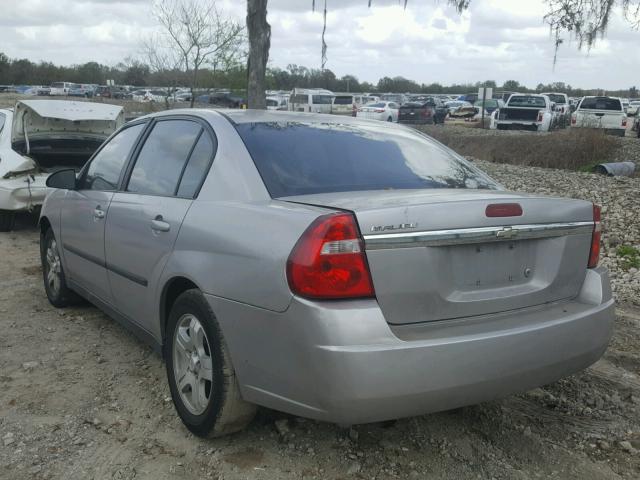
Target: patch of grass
(570,149)
(630,256)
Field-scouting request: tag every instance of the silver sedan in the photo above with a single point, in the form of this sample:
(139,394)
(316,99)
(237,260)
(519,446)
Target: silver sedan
(334,268)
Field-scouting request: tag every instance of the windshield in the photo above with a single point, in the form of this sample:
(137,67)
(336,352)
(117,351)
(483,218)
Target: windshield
(526,101)
(272,103)
(296,158)
(556,98)
(601,103)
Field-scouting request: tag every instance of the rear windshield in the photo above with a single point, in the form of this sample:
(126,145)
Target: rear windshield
(601,103)
(296,158)
(376,105)
(526,101)
(272,103)
(345,100)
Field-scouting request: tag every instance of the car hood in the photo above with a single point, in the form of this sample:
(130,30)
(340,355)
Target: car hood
(64,119)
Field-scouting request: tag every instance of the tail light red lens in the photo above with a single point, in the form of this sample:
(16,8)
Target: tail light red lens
(329,262)
(594,254)
(540,115)
(574,120)
(624,122)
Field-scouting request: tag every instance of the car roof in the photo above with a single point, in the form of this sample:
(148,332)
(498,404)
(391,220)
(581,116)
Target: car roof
(264,116)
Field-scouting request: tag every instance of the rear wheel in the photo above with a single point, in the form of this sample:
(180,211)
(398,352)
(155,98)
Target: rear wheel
(201,377)
(390,119)
(7,221)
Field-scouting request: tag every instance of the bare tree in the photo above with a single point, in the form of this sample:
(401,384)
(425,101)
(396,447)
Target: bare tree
(259,44)
(193,34)
(586,20)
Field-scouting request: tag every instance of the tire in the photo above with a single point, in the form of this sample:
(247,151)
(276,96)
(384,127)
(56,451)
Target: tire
(7,221)
(193,342)
(389,119)
(55,282)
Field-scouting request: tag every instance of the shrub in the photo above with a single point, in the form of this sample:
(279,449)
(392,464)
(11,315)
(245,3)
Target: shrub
(571,149)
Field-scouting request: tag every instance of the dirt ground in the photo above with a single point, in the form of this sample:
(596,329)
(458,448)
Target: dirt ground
(80,398)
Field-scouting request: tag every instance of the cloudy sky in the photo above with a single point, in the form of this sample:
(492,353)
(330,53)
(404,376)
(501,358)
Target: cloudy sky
(427,42)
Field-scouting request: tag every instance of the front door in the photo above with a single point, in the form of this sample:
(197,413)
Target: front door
(85,211)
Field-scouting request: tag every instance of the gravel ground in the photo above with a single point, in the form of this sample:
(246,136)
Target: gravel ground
(80,398)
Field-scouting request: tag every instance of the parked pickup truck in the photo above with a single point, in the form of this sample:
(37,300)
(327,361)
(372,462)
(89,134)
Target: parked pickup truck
(601,112)
(524,112)
(425,111)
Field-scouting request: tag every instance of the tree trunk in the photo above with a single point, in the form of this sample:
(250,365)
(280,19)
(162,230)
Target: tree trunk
(259,43)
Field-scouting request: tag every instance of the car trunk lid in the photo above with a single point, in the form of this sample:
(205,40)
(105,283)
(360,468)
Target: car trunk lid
(436,255)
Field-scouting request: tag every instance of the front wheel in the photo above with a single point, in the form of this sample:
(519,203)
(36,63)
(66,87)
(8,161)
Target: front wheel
(201,377)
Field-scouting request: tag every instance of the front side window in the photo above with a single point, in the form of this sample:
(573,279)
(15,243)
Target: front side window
(105,168)
(297,158)
(162,157)
(2,120)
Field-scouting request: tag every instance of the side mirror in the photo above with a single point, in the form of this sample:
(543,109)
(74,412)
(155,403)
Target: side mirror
(62,179)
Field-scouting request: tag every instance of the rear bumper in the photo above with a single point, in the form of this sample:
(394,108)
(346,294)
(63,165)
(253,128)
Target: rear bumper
(341,362)
(416,121)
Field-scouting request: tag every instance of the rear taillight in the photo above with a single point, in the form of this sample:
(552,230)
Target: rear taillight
(379,110)
(329,262)
(624,122)
(574,119)
(594,254)
(540,115)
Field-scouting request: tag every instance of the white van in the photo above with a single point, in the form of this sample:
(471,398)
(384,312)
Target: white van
(349,103)
(314,100)
(61,88)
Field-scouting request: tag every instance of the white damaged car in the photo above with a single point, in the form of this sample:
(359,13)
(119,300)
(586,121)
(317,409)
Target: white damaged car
(39,137)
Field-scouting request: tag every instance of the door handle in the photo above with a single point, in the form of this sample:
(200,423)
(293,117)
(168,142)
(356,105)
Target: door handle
(98,213)
(159,225)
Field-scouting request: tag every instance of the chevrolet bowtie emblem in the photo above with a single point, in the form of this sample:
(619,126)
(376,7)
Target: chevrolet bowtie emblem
(507,233)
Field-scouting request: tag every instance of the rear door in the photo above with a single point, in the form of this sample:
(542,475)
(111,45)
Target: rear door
(85,212)
(145,218)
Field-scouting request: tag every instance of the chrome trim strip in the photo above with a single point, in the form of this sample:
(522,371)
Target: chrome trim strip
(463,236)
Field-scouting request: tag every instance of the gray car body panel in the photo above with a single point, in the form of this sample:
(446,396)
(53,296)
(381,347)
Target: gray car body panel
(331,360)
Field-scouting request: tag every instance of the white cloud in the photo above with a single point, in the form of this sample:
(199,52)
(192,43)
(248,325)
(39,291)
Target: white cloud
(428,42)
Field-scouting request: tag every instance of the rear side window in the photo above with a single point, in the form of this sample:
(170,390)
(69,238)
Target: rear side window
(162,157)
(343,100)
(105,168)
(197,166)
(601,103)
(296,158)
(321,99)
